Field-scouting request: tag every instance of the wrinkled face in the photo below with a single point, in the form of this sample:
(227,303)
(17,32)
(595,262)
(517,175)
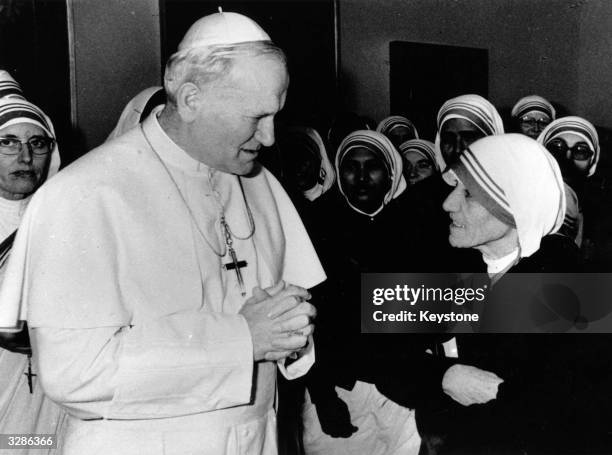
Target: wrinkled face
(416,167)
(364,178)
(533,123)
(22,174)
(236,115)
(400,134)
(455,135)
(573,154)
(472,225)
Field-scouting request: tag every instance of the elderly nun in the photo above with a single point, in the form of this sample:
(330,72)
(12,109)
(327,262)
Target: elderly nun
(461,121)
(508,202)
(531,114)
(28,156)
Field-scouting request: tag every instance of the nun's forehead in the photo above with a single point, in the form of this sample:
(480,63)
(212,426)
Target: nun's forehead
(571,138)
(19,127)
(362,147)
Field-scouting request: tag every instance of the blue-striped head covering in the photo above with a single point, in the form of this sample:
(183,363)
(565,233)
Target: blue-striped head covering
(9,86)
(576,125)
(387,125)
(16,110)
(380,145)
(474,109)
(518,181)
(423,147)
(533,103)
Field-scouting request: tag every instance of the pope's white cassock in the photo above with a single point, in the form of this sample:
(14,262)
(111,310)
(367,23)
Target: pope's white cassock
(132,316)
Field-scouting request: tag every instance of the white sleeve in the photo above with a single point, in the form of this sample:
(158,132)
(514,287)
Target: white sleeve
(177,365)
(301,366)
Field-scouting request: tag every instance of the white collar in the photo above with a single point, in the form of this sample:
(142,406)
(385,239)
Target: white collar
(167,149)
(11,212)
(498,265)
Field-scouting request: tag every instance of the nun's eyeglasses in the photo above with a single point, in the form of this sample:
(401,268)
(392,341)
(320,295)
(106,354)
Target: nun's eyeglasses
(580,151)
(532,123)
(38,146)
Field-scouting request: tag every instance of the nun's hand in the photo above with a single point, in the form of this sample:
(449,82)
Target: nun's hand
(470,385)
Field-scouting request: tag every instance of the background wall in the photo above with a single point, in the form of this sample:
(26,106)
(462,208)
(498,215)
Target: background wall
(559,49)
(117,54)
(534,46)
(594,65)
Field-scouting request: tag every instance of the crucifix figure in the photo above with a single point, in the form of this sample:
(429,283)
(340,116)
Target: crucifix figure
(29,374)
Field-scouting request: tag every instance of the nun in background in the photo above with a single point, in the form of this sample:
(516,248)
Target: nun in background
(306,167)
(398,129)
(423,202)
(28,156)
(419,159)
(461,121)
(137,109)
(531,114)
(574,143)
(308,176)
(344,413)
(508,203)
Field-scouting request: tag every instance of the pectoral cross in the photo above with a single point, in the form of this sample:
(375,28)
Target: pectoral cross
(29,374)
(236,265)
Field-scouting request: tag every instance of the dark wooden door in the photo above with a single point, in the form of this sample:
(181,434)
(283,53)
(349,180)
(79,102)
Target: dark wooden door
(423,76)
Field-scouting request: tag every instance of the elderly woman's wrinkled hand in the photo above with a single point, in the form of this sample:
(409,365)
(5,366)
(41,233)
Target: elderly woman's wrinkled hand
(470,385)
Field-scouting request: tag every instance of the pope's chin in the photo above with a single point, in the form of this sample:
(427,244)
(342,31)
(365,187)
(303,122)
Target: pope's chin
(246,162)
(246,168)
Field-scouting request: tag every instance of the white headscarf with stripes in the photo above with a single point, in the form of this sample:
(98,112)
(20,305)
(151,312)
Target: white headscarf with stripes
(14,111)
(381,146)
(578,126)
(388,124)
(325,175)
(423,147)
(518,181)
(474,109)
(533,103)
(9,88)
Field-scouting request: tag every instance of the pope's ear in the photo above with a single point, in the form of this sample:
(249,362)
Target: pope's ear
(188,101)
